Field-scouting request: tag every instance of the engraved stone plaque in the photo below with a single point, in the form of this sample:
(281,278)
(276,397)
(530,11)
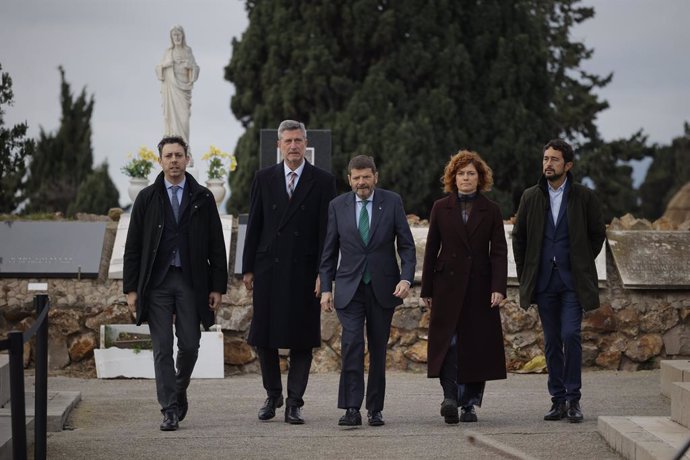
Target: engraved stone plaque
(51,249)
(241,235)
(648,259)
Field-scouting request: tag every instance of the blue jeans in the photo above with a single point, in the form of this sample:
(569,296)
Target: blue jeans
(561,319)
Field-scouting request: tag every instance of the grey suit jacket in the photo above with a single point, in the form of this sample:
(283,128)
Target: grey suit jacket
(388,227)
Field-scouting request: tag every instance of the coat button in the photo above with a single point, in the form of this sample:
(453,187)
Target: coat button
(276,260)
(296,233)
(278,233)
(452,273)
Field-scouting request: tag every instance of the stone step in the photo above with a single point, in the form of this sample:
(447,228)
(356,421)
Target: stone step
(673,370)
(60,404)
(680,403)
(6,436)
(4,379)
(644,438)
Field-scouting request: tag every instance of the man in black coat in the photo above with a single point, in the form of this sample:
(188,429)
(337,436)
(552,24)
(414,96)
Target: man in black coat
(175,268)
(285,233)
(558,232)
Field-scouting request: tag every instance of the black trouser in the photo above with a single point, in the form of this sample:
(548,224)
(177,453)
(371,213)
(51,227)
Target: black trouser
(466,394)
(173,297)
(363,307)
(298,374)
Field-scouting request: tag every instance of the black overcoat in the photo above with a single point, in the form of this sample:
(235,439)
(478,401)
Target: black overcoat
(282,249)
(209,266)
(463,264)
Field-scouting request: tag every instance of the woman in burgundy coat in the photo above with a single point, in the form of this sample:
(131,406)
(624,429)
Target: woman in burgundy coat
(463,281)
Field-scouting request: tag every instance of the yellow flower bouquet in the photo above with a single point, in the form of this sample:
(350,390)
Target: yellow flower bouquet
(218,161)
(141,165)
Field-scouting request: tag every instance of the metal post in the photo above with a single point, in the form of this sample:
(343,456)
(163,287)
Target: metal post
(41,384)
(17,394)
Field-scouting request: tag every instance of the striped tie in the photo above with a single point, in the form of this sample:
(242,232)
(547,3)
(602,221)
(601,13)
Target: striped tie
(291,183)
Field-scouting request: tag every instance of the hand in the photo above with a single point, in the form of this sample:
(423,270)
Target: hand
(496,298)
(427,302)
(248,280)
(132,299)
(402,289)
(317,287)
(214,301)
(327,301)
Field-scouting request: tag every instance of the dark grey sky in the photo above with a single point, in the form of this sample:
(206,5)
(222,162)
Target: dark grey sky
(112,47)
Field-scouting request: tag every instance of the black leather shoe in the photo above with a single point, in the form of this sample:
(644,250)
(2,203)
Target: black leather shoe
(557,412)
(182,405)
(375,418)
(574,412)
(352,417)
(293,415)
(468,414)
(170,421)
(449,411)
(268,410)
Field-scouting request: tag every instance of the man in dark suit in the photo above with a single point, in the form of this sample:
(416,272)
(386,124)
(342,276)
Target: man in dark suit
(559,230)
(364,227)
(175,269)
(285,233)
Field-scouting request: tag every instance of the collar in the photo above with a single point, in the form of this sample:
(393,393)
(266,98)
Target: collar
(170,184)
(559,189)
(467,197)
(370,199)
(298,171)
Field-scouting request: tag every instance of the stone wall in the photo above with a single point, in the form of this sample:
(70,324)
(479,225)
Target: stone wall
(634,329)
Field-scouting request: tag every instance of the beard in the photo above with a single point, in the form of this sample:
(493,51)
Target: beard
(554,177)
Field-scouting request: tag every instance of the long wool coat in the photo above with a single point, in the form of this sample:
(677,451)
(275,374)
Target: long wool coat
(463,264)
(283,249)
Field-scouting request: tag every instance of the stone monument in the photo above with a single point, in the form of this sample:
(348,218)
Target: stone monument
(177,72)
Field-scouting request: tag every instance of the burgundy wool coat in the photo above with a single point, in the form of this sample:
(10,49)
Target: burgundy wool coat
(463,264)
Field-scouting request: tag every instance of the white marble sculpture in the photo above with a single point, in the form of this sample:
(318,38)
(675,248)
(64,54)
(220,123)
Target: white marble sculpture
(177,72)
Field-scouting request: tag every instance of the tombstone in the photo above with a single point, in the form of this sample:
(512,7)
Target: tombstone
(648,259)
(51,249)
(318,148)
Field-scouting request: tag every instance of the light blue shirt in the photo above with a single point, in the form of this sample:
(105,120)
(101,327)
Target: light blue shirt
(358,208)
(180,191)
(297,171)
(556,198)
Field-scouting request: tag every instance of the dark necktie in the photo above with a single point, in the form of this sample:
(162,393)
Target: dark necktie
(364,233)
(176,212)
(291,183)
(175,202)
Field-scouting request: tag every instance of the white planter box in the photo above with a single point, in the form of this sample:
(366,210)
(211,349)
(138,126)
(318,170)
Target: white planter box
(113,362)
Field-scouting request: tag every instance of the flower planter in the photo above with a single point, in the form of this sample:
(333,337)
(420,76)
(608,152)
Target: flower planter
(136,185)
(217,187)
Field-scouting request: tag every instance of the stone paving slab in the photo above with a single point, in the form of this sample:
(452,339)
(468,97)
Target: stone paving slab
(119,419)
(638,438)
(6,436)
(60,404)
(680,403)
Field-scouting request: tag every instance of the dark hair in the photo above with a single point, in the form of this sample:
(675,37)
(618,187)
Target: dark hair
(361,162)
(462,159)
(172,140)
(563,147)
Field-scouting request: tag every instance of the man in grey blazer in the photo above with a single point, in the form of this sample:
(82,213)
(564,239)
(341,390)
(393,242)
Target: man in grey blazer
(364,227)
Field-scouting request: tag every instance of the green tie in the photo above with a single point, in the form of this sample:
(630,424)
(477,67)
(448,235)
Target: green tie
(364,233)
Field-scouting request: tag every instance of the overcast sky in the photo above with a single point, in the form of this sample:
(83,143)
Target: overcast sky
(112,47)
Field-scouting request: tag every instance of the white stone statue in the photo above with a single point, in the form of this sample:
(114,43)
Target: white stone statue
(177,72)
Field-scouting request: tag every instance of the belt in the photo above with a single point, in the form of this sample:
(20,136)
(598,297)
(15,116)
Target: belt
(175,268)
